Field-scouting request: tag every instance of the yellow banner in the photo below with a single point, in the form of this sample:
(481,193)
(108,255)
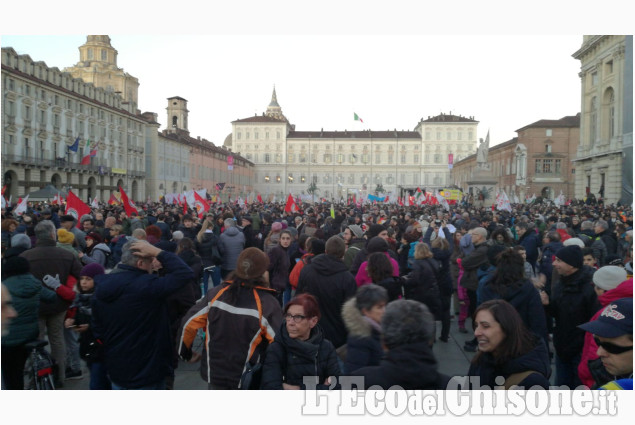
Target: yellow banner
(119,170)
(451,194)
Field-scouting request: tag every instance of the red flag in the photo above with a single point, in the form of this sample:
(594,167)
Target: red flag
(260,198)
(113,199)
(184,208)
(200,204)
(75,207)
(127,205)
(291,206)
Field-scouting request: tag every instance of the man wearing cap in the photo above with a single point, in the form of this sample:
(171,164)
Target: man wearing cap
(571,303)
(248,231)
(610,285)
(613,333)
(130,315)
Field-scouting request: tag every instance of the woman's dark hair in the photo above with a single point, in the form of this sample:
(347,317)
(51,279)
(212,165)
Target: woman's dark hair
(308,303)
(377,244)
(509,274)
(302,241)
(317,246)
(507,240)
(185,244)
(518,339)
(379,267)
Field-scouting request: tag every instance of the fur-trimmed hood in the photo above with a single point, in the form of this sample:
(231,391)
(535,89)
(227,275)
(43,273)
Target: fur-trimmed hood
(354,320)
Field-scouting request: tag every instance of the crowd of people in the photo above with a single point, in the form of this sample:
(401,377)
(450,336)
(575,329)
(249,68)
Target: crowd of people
(269,299)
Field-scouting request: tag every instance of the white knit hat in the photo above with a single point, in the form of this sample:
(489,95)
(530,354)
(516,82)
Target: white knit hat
(574,241)
(609,277)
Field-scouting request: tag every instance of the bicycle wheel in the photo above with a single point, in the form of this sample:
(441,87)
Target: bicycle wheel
(29,374)
(45,383)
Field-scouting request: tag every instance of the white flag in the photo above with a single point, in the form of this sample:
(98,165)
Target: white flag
(21,208)
(94,203)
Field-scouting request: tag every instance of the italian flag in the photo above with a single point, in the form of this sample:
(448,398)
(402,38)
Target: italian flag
(357,118)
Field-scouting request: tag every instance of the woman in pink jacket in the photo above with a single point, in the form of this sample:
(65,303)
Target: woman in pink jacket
(376,244)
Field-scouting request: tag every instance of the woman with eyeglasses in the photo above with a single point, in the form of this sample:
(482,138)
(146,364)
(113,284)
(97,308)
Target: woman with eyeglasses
(507,349)
(300,357)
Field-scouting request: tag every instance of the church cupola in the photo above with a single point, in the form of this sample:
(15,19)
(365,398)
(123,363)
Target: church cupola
(177,114)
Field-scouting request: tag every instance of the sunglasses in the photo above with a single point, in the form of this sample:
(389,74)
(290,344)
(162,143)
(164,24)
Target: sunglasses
(612,348)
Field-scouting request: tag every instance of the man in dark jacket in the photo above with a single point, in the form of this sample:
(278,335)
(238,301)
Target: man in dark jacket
(53,266)
(232,243)
(572,302)
(327,278)
(528,239)
(471,264)
(130,316)
(408,333)
(602,232)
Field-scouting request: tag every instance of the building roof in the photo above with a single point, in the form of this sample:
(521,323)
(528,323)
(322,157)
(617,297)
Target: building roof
(449,118)
(182,136)
(177,97)
(260,118)
(368,134)
(571,121)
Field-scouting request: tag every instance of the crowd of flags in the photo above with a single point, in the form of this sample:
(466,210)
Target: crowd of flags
(90,151)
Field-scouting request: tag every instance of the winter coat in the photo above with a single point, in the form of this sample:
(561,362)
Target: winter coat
(195,263)
(530,241)
(190,232)
(116,246)
(328,279)
(589,351)
(279,267)
(610,241)
(362,277)
(537,360)
(232,242)
(443,258)
(294,276)
(471,263)
(292,361)
(363,345)
(526,301)
(99,254)
(572,303)
(26,292)
(130,316)
(46,258)
(232,333)
(205,248)
(421,285)
(166,233)
(410,366)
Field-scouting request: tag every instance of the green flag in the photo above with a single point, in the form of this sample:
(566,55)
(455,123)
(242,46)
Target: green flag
(357,118)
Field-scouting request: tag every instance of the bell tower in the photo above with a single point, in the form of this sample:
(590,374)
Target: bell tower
(177,114)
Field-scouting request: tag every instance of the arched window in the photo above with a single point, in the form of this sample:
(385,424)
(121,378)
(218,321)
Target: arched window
(174,120)
(90,53)
(593,121)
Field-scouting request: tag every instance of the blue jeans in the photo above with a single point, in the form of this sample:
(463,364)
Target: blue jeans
(286,295)
(567,372)
(99,376)
(157,386)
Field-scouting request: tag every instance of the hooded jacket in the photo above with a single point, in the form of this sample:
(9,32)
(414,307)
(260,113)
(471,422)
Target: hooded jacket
(279,265)
(421,285)
(537,360)
(589,352)
(26,292)
(130,316)
(410,366)
(98,255)
(328,279)
(292,361)
(471,263)
(363,345)
(232,242)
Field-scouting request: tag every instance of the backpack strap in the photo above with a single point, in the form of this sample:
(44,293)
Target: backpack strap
(516,378)
(263,339)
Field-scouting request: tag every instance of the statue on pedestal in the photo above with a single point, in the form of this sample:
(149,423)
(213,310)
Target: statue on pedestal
(481,154)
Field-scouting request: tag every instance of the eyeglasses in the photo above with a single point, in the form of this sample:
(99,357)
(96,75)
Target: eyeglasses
(297,318)
(612,348)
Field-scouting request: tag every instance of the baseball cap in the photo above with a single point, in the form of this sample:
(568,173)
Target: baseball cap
(615,320)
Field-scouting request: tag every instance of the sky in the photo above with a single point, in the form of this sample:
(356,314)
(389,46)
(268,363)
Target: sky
(390,81)
(391,73)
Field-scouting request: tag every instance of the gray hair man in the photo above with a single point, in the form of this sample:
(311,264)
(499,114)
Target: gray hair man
(53,266)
